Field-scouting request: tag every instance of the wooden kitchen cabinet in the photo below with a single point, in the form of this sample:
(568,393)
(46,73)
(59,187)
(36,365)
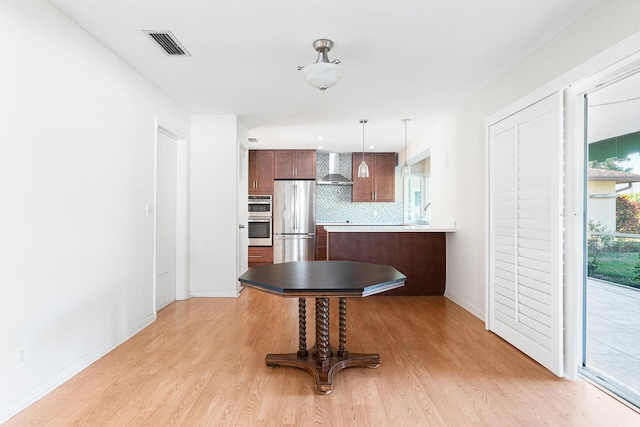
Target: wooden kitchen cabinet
(260,255)
(295,164)
(381,183)
(261,171)
(321,243)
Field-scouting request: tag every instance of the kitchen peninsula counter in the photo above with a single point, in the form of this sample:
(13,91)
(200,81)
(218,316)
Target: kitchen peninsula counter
(383,228)
(418,251)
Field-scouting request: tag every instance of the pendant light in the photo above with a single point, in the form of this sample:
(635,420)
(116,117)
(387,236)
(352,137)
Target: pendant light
(363,169)
(406,169)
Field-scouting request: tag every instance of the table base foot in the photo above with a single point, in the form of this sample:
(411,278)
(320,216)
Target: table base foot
(323,376)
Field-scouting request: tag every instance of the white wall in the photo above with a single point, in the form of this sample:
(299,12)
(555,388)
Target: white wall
(76,171)
(457,145)
(213,205)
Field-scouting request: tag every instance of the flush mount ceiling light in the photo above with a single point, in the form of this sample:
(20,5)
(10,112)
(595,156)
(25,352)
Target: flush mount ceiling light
(323,73)
(363,169)
(406,169)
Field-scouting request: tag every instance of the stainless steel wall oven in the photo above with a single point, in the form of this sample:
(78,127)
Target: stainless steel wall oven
(260,221)
(260,206)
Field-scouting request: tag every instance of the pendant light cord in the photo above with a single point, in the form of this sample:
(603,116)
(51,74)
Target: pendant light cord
(406,169)
(363,123)
(405,140)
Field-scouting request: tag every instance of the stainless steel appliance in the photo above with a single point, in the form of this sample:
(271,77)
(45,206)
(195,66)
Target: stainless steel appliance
(260,221)
(260,206)
(294,213)
(260,231)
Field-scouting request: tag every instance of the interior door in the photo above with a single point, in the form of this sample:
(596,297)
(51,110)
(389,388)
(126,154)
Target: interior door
(243,241)
(166,213)
(525,232)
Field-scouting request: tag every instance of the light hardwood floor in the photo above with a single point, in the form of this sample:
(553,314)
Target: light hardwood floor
(202,364)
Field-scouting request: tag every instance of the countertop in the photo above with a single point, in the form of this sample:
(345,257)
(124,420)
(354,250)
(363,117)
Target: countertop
(377,228)
(326,224)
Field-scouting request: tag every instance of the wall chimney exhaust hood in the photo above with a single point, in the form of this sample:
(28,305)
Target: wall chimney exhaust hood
(334,177)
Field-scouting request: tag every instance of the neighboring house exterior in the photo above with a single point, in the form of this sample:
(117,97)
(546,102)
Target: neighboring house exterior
(603,185)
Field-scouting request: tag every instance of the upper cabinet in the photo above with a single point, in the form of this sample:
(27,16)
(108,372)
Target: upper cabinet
(261,168)
(295,164)
(380,185)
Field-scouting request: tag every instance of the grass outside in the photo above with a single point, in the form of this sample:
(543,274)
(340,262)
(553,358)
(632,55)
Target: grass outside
(618,267)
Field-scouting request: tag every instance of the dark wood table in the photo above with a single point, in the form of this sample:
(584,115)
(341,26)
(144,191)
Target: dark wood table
(323,280)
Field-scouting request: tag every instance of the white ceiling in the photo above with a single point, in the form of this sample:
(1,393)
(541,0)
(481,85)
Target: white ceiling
(416,59)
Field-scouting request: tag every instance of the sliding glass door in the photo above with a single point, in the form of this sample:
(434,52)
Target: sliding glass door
(611,354)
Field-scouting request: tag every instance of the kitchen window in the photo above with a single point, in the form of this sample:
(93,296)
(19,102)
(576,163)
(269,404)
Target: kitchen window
(417,198)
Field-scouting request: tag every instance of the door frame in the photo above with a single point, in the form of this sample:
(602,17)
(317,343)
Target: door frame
(182,210)
(576,128)
(242,214)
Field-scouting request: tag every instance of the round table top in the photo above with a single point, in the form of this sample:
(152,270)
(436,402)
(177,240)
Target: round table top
(323,278)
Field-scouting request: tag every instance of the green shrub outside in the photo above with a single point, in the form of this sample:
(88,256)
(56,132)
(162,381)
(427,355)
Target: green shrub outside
(610,259)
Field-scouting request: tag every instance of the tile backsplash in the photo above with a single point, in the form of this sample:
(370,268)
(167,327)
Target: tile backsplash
(333,202)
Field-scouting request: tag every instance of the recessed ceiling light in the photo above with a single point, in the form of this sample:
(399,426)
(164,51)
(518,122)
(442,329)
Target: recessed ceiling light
(320,147)
(371,147)
(321,138)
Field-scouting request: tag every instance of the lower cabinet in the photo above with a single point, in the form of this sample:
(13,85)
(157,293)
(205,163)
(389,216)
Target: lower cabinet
(321,243)
(421,256)
(260,255)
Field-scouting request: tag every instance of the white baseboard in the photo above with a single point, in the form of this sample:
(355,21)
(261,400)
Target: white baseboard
(467,307)
(213,294)
(49,384)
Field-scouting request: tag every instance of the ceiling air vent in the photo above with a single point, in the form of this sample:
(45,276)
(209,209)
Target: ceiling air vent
(167,42)
(253,139)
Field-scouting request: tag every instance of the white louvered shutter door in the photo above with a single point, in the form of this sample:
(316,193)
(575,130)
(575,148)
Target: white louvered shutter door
(525,231)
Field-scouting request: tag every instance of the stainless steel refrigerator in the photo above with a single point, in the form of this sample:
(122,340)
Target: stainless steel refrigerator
(294,221)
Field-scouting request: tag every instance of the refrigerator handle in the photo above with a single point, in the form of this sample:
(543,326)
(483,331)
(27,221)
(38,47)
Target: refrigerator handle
(295,205)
